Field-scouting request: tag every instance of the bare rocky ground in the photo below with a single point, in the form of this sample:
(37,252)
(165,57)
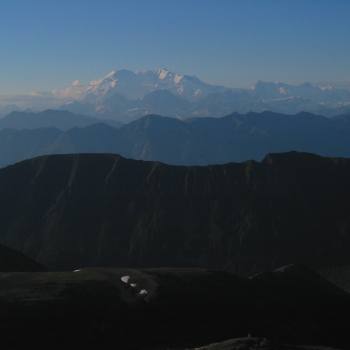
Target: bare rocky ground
(167,308)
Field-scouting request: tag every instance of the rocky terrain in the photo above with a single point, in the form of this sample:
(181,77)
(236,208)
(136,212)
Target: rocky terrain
(170,309)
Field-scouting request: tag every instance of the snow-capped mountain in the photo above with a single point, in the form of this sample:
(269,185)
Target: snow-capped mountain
(136,85)
(124,95)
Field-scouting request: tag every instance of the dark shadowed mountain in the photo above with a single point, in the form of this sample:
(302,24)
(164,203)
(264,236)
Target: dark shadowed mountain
(339,275)
(234,138)
(62,120)
(198,141)
(169,309)
(105,210)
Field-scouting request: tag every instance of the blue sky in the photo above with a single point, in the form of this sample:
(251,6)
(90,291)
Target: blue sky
(48,43)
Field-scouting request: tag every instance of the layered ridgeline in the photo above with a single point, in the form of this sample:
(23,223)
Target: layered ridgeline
(199,141)
(62,120)
(103,210)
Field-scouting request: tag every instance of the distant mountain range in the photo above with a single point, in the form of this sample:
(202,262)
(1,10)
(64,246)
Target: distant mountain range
(69,211)
(198,141)
(127,95)
(62,120)
(124,95)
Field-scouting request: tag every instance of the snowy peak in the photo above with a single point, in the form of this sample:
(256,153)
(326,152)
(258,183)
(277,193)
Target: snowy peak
(111,75)
(127,95)
(102,86)
(136,85)
(162,73)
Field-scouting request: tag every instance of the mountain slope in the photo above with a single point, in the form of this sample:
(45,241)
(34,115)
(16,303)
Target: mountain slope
(13,261)
(104,210)
(251,343)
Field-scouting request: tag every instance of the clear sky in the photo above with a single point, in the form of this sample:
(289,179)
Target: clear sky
(46,44)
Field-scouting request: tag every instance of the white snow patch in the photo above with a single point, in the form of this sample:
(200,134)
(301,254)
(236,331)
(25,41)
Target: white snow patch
(198,92)
(76,83)
(78,270)
(110,74)
(143,292)
(125,279)
(163,73)
(180,90)
(283,91)
(133,285)
(178,78)
(327,88)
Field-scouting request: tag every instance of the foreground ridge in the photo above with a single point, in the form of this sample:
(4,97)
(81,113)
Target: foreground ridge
(105,210)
